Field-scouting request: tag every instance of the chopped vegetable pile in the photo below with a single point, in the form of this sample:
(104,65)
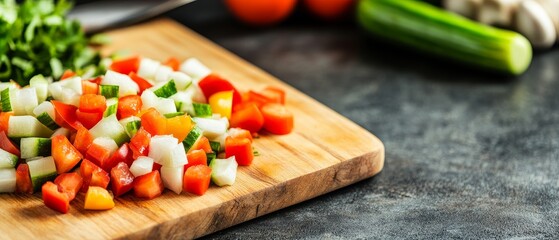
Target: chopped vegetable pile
(36,38)
(141,127)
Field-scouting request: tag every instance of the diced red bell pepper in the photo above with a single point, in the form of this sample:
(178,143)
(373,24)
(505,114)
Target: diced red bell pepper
(83,140)
(241,148)
(129,106)
(139,144)
(23,179)
(202,143)
(173,63)
(156,167)
(68,73)
(123,154)
(196,157)
(97,154)
(142,83)
(154,122)
(122,179)
(65,155)
(7,145)
(239,133)
(88,120)
(5,120)
(93,175)
(126,65)
(89,87)
(92,103)
(55,199)
(247,116)
(197,179)
(70,183)
(213,83)
(148,186)
(65,115)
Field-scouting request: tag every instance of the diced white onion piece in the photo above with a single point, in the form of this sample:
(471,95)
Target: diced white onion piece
(172,178)
(160,147)
(141,166)
(7,180)
(106,143)
(176,158)
(212,128)
(61,131)
(162,74)
(148,68)
(126,86)
(181,80)
(44,107)
(195,69)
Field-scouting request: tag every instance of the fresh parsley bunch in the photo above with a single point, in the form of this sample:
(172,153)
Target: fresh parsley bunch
(36,38)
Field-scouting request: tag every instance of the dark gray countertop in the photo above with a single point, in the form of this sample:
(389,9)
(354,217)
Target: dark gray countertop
(468,154)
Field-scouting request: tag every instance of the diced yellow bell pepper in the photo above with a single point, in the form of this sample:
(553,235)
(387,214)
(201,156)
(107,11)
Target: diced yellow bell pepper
(179,126)
(222,103)
(98,198)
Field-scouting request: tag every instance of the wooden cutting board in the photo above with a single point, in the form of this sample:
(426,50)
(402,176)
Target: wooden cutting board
(325,152)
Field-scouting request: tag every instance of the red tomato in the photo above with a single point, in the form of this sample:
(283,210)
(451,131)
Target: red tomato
(139,144)
(70,183)
(83,140)
(65,115)
(129,106)
(65,155)
(23,180)
(7,145)
(241,148)
(277,119)
(126,65)
(123,154)
(248,117)
(260,12)
(197,179)
(88,120)
(92,103)
(329,9)
(148,186)
(55,199)
(196,157)
(142,83)
(122,179)
(213,84)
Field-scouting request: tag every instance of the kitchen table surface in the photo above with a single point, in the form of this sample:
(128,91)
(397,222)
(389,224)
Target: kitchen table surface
(468,154)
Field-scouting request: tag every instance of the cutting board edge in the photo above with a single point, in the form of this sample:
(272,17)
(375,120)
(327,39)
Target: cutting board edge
(251,206)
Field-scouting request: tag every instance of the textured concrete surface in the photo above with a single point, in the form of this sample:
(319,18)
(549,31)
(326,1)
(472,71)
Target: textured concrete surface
(468,154)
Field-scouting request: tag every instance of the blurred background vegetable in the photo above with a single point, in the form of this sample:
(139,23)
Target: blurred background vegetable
(38,39)
(261,12)
(329,9)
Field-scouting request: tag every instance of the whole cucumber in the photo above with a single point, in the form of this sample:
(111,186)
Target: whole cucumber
(430,29)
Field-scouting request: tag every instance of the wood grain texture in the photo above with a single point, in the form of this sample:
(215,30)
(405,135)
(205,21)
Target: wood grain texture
(325,152)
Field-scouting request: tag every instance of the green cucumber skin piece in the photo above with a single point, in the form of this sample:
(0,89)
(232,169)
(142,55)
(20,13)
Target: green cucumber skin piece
(133,127)
(216,146)
(5,99)
(430,29)
(210,157)
(38,181)
(202,110)
(27,126)
(172,115)
(191,138)
(46,120)
(34,147)
(167,90)
(109,91)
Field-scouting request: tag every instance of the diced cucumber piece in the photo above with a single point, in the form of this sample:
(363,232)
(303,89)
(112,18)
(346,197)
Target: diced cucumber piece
(10,84)
(216,146)
(172,115)
(109,91)
(192,137)
(112,107)
(210,157)
(106,143)
(35,147)
(131,124)
(148,68)
(161,148)
(195,69)
(7,180)
(162,73)
(46,120)
(165,90)
(172,178)
(111,128)
(27,126)
(5,99)
(41,85)
(224,171)
(61,131)
(182,81)
(141,166)
(125,84)
(212,128)
(202,110)
(183,102)
(7,160)
(41,171)
(220,139)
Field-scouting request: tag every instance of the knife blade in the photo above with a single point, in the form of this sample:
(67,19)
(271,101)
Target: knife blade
(105,14)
